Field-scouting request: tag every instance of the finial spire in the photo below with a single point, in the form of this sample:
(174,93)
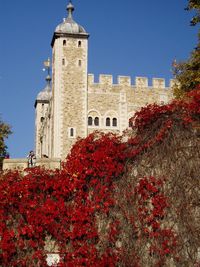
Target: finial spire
(70,9)
(47,67)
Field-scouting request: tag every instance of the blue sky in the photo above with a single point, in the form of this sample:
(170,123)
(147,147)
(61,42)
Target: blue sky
(129,37)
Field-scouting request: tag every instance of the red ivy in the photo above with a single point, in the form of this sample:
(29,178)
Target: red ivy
(64,205)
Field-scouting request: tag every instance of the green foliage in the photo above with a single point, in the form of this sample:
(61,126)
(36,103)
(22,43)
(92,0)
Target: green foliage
(194,5)
(4,133)
(188,73)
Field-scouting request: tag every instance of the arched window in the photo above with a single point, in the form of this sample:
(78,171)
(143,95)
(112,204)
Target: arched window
(107,121)
(63,62)
(79,63)
(42,119)
(96,121)
(64,42)
(71,132)
(114,122)
(89,121)
(79,43)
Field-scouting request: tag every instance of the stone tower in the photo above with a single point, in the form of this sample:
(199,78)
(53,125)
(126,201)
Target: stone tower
(42,126)
(69,84)
(78,104)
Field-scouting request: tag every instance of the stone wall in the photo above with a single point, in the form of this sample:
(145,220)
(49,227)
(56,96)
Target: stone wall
(21,164)
(69,93)
(78,98)
(123,99)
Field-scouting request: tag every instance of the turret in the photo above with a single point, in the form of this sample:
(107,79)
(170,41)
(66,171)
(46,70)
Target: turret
(69,73)
(42,104)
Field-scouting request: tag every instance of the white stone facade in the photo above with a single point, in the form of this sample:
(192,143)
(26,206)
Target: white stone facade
(77,105)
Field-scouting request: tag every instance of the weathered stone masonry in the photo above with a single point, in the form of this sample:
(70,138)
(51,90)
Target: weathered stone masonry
(77,105)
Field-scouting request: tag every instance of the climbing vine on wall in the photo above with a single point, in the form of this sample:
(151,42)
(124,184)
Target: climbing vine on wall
(112,204)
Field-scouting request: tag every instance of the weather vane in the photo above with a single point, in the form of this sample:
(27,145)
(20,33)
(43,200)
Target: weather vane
(47,67)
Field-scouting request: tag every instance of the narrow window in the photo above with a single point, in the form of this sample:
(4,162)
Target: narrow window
(63,62)
(42,119)
(71,132)
(79,63)
(114,122)
(96,121)
(64,42)
(89,121)
(107,121)
(79,43)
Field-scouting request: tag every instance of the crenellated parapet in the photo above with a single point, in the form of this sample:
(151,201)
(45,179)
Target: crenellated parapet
(124,80)
(106,79)
(127,81)
(80,103)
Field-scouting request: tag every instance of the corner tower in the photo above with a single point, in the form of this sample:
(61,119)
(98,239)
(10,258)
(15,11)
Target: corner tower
(42,123)
(69,84)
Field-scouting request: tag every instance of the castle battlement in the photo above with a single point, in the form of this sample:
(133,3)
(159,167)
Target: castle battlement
(81,103)
(127,81)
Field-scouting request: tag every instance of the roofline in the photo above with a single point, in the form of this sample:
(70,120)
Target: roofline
(57,35)
(40,101)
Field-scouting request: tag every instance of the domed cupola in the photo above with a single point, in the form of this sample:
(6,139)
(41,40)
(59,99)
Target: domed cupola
(69,27)
(44,96)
